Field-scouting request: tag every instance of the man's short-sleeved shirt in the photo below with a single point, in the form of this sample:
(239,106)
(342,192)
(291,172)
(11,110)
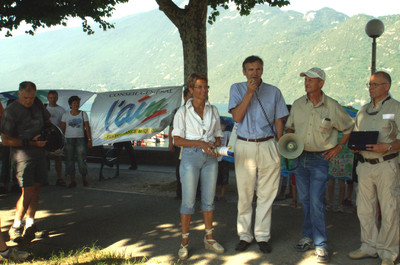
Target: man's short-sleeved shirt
(385,118)
(55,114)
(254,124)
(24,123)
(319,125)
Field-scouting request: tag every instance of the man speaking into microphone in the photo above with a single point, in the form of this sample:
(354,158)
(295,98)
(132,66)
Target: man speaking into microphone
(259,109)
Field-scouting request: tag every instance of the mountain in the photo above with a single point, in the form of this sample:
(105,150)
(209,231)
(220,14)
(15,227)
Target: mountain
(144,50)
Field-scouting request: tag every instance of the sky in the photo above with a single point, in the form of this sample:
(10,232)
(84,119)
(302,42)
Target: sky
(348,7)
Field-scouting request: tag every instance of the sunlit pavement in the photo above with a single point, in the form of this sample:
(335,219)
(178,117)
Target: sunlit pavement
(135,224)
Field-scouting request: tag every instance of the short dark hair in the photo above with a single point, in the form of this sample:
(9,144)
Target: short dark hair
(191,81)
(27,86)
(385,76)
(52,92)
(252,59)
(72,99)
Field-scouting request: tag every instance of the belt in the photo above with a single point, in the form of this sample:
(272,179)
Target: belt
(255,140)
(374,161)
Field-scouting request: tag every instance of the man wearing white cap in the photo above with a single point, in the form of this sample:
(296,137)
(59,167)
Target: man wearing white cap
(317,119)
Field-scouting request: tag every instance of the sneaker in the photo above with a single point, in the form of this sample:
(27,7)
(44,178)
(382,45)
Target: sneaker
(347,202)
(61,183)
(359,254)
(242,246)
(15,254)
(304,244)
(29,233)
(340,209)
(322,255)
(16,234)
(329,207)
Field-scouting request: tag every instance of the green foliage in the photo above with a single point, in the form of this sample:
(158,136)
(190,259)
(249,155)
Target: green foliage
(47,13)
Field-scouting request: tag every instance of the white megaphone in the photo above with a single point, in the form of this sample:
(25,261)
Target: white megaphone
(290,146)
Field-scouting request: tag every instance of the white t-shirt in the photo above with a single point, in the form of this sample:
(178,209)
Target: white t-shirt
(56,114)
(74,127)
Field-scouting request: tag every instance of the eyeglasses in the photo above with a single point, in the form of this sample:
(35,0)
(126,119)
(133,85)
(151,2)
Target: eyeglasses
(373,85)
(207,87)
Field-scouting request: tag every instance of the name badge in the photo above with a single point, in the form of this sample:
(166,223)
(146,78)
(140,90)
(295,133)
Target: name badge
(388,116)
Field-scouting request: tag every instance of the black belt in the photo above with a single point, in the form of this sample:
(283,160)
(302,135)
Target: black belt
(255,140)
(374,161)
(314,152)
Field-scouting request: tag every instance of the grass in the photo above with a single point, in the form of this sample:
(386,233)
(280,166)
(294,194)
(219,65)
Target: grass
(86,255)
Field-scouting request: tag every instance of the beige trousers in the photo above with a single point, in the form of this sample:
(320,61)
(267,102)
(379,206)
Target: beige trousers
(257,165)
(379,183)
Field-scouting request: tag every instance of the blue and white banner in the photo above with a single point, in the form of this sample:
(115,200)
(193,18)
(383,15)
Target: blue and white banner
(63,96)
(127,115)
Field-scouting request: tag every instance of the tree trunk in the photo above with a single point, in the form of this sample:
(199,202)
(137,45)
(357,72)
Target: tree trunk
(191,24)
(194,41)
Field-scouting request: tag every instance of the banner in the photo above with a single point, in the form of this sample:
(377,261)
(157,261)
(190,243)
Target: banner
(63,96)
(127,115)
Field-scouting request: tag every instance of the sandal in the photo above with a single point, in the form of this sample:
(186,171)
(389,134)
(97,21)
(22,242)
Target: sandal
(183,252)
(212,244)
(61,183)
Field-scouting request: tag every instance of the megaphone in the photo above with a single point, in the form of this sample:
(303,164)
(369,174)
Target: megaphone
(290,146)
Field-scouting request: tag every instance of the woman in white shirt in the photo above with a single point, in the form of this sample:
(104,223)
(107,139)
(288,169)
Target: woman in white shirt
(197,129)
(75,125)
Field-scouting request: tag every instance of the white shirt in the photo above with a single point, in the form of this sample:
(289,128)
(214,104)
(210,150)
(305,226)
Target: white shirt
(74,127)
(56,114)
(189,125)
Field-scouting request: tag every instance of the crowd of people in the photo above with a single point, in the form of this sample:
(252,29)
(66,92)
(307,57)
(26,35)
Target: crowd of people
(259,109)
(262,117)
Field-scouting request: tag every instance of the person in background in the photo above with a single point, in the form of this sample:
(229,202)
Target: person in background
(56,113)
(171,147)
(75,126)
(197,129)
(7,171)
(223,165)
(21,124)
(259,110)
(317,119)
(4,179)
(129,149)
(378,174)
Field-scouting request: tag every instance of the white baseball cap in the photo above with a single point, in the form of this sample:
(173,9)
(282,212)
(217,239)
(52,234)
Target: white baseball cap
(314,72)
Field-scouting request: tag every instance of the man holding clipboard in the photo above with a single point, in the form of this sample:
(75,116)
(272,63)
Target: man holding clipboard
(378,174)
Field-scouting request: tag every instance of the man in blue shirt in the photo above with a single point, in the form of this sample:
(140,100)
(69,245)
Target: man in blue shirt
(259,109)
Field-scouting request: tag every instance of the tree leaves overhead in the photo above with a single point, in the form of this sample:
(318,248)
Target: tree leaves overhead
(47,13)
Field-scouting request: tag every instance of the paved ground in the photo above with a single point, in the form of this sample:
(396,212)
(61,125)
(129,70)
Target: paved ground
(137,214)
